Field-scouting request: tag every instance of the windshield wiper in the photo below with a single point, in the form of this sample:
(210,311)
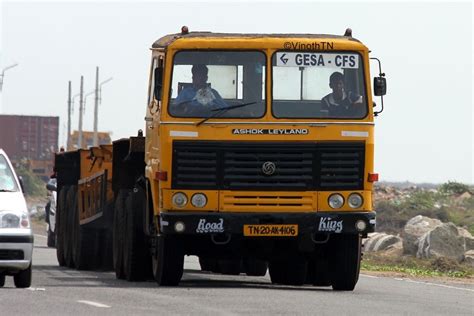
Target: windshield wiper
(223,110)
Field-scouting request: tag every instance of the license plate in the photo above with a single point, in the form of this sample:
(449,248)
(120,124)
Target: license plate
(271,230)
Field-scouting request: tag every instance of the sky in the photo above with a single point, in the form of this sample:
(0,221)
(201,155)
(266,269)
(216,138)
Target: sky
(425,133)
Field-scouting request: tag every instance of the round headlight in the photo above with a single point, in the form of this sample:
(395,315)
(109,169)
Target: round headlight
(179,227)
(361,225)
(199,200)
(355,200)
(180,199)
(336,200)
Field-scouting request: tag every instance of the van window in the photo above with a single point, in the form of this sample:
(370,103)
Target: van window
(7,179)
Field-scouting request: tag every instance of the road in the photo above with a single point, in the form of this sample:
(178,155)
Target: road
(60,291)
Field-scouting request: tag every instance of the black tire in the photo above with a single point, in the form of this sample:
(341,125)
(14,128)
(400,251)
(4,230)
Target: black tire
(60,225)
(84,254)
(276,269)
(118,234)
(47,209)
(168,261)
(70,227)
(2,280)
(23,278)
(230,266)
(208,264)
(255,267)
(345,262)
(51,241)
(136,256)
(318,272)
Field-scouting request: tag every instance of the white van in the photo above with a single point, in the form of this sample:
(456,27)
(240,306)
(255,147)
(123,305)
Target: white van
(16,237)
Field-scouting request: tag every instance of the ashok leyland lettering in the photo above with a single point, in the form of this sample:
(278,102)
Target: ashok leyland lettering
(257,154)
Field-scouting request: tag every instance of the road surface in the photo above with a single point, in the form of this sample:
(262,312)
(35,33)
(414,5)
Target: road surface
(61,291)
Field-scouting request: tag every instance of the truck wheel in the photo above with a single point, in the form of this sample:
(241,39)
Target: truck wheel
(51,241)
(118,234)
(70,229)
(208,264)
(345,262)
(230,266)
(136,258)
(318,272)
(255,267)
(23,278)
(84,255)
(168,261)
(60,225)
(2,280)
(276,269)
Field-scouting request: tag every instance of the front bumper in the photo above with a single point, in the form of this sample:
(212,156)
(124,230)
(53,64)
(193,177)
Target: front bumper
(16,252)
(233,223)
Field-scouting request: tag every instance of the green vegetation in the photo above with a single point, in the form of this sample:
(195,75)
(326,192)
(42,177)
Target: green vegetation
(444,204)
(415,267)
(33,185)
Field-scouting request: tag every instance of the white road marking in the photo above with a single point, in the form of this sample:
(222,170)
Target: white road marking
(36,289)
(440,285)
(94,304)
(370,276)
(41,236)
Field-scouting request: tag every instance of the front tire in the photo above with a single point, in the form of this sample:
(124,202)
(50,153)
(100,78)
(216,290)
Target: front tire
(255,267)
(167,261)
(23,278)
(345,262)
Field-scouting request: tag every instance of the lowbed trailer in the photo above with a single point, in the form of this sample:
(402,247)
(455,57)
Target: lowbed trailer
(249,162)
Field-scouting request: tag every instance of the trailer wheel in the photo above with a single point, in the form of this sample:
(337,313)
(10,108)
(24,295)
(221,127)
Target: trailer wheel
(60,225)
(118,234)
(255,267)
(136,258)
(276,270)
(345,262)
(168,260)
(69,234)
(84,244)
(318,272)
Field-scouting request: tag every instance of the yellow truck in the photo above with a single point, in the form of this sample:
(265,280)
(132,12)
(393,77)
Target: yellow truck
(257,153)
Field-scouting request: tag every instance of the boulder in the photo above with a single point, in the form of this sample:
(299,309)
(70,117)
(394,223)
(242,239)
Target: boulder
(380,241)
(442,241)
(469,258)
(414,229)
(468,238)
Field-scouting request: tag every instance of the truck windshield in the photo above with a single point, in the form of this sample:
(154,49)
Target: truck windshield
(318,85)
(7,180)
(204,82)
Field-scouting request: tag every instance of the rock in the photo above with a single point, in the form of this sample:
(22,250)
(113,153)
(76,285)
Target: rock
(469,258)
(468,238)
(380,241)
(414,229)
(442,241)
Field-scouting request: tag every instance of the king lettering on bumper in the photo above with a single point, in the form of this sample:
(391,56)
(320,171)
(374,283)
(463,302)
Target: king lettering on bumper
(233,223)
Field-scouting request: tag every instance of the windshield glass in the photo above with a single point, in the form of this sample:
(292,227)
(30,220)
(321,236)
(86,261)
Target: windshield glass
(7,180)
(318,85)
(203,82)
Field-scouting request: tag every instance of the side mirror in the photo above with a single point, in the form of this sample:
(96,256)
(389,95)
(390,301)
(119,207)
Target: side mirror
(380,86)
(158,82)
(50,186)
(22,185)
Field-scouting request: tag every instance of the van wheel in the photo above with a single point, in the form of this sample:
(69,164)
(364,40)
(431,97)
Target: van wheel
(118,234)
(136,258)
(60,225)
(168,261)
(345,262)
(2,280)
(23,278)
(255,267)
(51,241)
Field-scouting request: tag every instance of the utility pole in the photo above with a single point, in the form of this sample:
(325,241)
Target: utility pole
(2,76)
(81,100)
(96,107)
(69,106)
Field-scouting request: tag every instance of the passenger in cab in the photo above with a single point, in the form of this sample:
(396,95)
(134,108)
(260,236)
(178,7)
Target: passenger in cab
(200,93)
(341,103)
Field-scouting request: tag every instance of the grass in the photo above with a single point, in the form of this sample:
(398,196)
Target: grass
(440,267)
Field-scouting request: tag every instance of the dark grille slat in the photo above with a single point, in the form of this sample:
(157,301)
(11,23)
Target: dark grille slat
(238,165)
(10,254)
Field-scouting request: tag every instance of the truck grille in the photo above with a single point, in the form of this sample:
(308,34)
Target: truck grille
(238,166)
